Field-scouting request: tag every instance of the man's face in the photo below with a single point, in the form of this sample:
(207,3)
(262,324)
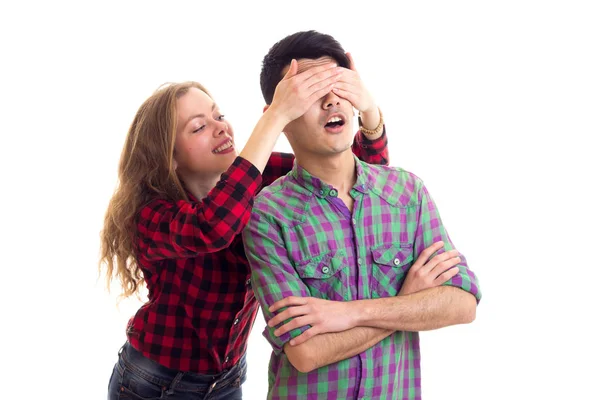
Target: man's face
(327,126)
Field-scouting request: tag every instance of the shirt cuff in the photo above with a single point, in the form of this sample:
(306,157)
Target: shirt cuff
(365,139)
(278,342)
(466,280)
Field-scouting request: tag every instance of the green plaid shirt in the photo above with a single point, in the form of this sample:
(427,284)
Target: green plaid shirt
(303,241)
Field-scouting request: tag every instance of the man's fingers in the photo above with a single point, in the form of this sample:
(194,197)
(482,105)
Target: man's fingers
(293,324)
(443,266)
(291,312)
(425,254)
(446,276)
(440,258)
(288,301)
(304,337)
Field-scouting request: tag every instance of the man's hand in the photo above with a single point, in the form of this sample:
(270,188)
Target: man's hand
(425,273)
(352,88)
(295,93)
(325,316)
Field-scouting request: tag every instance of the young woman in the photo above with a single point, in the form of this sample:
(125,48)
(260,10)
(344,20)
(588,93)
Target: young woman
(173,224)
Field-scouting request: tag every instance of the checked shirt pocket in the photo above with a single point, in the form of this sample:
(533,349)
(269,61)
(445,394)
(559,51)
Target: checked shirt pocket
(325,276)
(391,262)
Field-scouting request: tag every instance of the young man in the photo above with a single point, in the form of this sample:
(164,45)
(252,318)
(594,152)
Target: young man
(342,253)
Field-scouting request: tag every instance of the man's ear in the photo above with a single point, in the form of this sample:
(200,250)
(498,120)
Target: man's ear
(265,108)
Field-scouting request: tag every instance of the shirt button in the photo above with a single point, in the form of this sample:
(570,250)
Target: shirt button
(396,261)
(236,321)
(354,221)
(333,192)
(248,282)
(321,192)
(226,360)
(359,261)
(325,270)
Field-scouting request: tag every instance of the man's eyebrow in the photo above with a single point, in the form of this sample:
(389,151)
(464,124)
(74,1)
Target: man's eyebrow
(214,105)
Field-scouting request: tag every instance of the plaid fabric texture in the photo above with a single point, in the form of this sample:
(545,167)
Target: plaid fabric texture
(302,240)
(201,306)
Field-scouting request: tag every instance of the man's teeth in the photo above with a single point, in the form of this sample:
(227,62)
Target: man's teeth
(223,147)
(334,119)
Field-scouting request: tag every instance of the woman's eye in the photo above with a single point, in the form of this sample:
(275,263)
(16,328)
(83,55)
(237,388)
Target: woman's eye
(199,129)
(221,117)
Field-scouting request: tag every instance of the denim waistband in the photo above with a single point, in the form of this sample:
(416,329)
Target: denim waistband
(160,375)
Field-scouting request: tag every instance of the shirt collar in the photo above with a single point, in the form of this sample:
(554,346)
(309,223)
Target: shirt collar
(321,189)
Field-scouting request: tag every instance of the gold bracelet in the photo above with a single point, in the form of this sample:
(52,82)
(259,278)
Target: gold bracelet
(372,132)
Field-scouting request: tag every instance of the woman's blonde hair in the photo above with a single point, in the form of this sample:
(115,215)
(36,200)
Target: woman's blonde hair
(146,171)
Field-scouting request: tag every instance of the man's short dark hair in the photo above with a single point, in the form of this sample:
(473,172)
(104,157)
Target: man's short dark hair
(307,44)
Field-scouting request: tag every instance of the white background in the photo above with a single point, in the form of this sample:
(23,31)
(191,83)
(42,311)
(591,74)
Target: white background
(495,105)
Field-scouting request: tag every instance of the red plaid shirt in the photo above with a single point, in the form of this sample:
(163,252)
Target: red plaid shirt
(201,307)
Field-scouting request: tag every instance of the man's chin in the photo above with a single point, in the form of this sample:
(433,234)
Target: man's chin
(336,149)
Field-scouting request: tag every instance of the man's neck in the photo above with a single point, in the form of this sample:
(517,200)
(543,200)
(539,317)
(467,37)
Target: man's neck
(338,170)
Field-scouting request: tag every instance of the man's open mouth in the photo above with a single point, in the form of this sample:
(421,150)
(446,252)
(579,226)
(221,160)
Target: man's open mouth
(334,122)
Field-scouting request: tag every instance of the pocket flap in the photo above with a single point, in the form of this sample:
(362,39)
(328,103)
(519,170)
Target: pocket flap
(323,266)
(393,255)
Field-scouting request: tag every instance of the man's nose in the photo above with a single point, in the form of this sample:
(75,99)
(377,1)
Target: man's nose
(330,100)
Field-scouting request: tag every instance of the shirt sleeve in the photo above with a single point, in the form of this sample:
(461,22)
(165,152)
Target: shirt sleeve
(273,275)
(169,229)
(371,151)
(430,230)
(278,165)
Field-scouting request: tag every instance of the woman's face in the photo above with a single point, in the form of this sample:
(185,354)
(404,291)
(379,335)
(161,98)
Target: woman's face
(204,145)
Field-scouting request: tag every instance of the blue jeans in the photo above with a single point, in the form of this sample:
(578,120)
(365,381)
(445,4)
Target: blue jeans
(139,378)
